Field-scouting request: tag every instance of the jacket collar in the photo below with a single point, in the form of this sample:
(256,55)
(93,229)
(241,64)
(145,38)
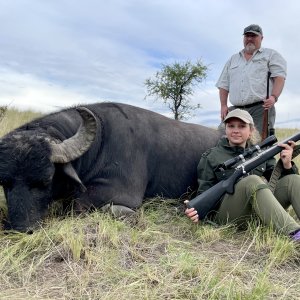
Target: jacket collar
(225,143)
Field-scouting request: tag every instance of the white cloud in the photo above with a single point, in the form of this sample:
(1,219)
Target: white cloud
(24,91)
(61,53)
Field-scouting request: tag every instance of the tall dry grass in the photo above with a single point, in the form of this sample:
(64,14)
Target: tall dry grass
(11,118)
(156,254)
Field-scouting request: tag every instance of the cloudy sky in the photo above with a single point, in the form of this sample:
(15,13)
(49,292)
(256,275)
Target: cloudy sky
(57,53)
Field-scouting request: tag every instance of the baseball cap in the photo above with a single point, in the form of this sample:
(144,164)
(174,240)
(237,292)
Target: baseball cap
(240,114)
(253,28)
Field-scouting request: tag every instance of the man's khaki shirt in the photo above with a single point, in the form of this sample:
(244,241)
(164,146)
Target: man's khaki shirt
(246,81)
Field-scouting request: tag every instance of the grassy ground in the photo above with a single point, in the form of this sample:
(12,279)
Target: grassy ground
(157,254)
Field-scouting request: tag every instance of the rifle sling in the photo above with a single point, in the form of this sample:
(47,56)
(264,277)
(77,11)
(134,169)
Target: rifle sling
(278,169)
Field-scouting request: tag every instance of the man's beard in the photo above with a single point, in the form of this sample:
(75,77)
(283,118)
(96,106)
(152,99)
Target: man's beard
(250,48)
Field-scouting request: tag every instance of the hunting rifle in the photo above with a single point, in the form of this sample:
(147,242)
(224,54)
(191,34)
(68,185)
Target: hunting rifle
(270,140)
(265,129)
(208,200)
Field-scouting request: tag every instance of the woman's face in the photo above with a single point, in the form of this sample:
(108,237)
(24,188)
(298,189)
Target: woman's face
(237,132)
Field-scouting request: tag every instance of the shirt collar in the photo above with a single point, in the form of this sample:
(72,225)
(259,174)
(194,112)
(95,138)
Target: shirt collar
(260,50)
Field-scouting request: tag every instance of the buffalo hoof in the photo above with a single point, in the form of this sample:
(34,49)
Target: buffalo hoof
(118,211)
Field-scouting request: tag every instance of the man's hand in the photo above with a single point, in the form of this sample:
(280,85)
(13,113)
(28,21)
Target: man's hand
(191,213)
(268,103)
(224,111)
(223,94)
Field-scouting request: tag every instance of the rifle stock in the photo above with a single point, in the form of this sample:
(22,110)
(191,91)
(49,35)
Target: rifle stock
(265,129)
(208,200)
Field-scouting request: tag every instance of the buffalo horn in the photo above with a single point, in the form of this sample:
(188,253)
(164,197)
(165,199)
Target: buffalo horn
(73,147)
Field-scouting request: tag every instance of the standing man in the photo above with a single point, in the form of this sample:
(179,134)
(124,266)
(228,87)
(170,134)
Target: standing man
(245,79)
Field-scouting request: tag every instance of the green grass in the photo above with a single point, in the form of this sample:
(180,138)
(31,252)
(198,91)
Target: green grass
(156,254)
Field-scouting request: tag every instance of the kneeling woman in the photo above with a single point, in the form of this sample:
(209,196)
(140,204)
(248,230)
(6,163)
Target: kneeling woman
(251,197)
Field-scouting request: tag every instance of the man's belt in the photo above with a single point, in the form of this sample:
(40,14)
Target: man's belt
(249,105)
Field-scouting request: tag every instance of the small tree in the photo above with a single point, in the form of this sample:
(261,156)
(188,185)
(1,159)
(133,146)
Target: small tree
(174,85)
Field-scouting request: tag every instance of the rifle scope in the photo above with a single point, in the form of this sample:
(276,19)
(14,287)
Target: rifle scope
(270,140)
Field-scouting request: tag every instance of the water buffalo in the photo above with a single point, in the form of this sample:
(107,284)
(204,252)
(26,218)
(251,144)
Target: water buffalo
(98,155)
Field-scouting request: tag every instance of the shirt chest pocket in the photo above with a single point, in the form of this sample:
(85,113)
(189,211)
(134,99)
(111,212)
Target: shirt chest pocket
(233,66)
(260,66)
(234,72)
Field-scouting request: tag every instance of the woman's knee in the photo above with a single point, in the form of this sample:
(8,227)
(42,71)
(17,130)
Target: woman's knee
(251,184)
(252,180)
(291,179)
(286,185)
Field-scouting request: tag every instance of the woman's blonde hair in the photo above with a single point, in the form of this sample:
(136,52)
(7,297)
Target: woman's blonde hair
(255,137)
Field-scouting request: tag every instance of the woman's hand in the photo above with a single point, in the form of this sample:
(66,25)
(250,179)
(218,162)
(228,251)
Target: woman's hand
(192,213)
(286,154)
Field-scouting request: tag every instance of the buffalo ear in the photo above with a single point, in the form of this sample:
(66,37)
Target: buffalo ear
(70,172)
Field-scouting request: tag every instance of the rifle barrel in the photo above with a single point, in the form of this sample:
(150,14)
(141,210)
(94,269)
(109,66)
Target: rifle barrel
(249,151)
